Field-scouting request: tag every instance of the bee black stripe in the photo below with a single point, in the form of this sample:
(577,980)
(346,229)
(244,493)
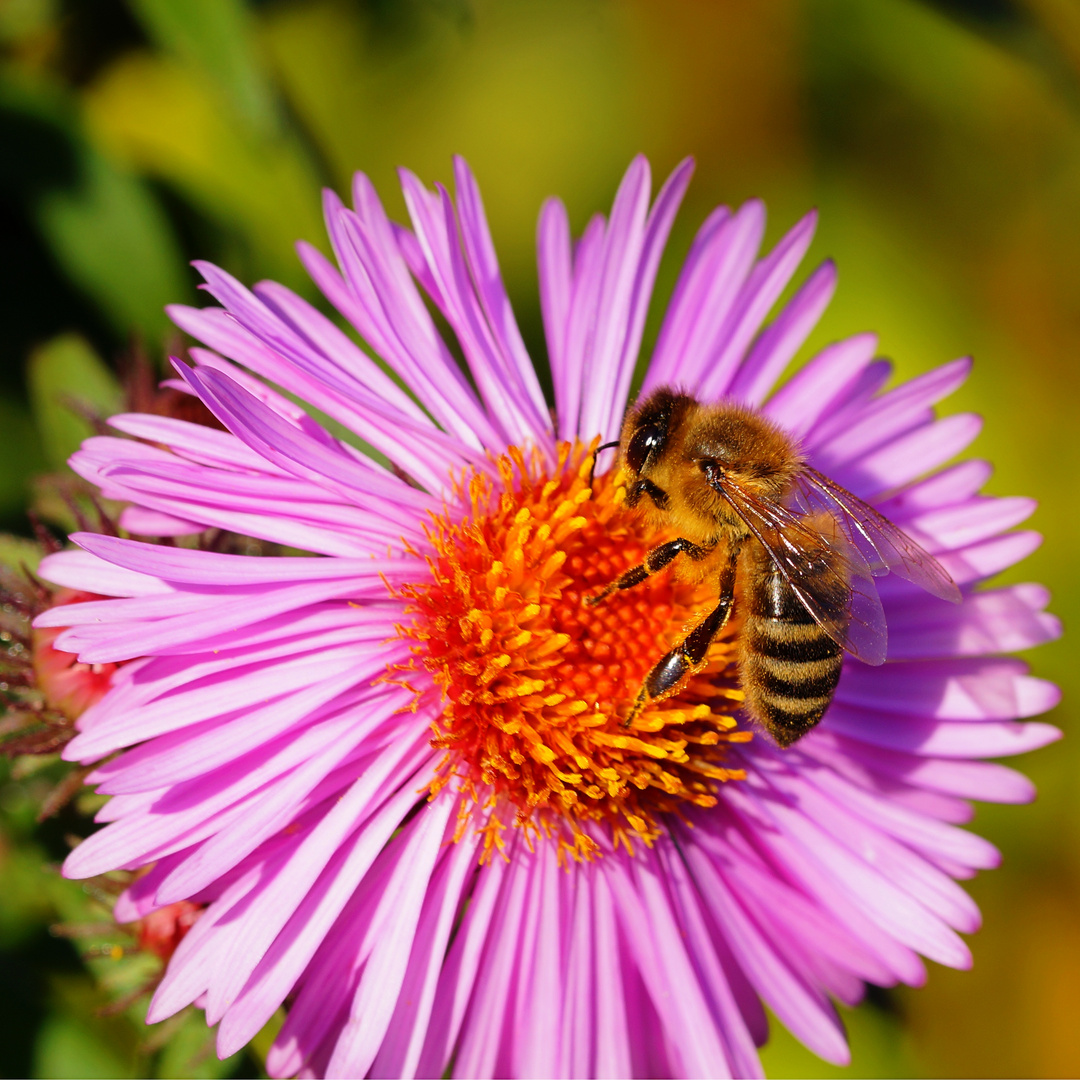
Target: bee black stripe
(775,639)
(797,688)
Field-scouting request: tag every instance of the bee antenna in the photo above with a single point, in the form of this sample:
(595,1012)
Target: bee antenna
(596,454)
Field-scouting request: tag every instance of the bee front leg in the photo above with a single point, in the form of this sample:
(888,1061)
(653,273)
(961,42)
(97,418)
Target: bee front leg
(655,561)
(690,653)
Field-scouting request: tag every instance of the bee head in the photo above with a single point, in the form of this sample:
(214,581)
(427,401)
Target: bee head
(648,436)
(648,428)
(677,451)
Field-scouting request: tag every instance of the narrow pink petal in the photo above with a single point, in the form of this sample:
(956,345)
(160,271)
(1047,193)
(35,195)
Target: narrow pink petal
(381,301)
(179,493)
(399,1055)
(455,287)
(719,259)
(978,562)
(373,1005)
(183,755)
(228,846)
(379,794)
(692,906)
(99,614)
(187,975)
(952,487)
(778,344)
(802,1008)
(816,388)
(953,689)
(890,907)
(763,288)
(573,370)
(885,417)
(612,1030)
(803,867)
(484,265)
(190,813)
(982,780)
(973,520)
(81,570)
(869,827)
(657,229)
(937,738)
(623,244)
(320,521)
(786,916)
(540,986)
(487,1026)
(102,645)
(554,265)
(321,461)
(212,568)
(1003,620)
(402,894)
(143,522)
(646,914)
(911,455)
(576,1050)
(324,337)
(459,973)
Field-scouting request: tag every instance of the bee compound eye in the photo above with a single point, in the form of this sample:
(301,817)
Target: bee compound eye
(643,444)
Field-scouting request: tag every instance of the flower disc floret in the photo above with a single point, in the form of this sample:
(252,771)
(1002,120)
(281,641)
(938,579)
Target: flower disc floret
(538,683)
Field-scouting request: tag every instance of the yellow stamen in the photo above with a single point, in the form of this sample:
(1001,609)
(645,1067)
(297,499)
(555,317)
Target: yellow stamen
(537,684)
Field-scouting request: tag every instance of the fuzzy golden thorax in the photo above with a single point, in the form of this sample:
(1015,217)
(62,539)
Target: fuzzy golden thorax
(670,442)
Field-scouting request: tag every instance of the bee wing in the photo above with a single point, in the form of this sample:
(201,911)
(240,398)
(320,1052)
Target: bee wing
(839,593)
(882,544)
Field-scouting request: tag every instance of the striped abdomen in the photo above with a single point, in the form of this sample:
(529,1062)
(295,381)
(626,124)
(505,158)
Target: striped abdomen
(789,666)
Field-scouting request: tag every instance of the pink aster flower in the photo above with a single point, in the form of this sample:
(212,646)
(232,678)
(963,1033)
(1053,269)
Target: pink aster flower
(396,775)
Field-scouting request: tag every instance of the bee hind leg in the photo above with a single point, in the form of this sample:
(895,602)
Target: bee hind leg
(655,561)
(690,653)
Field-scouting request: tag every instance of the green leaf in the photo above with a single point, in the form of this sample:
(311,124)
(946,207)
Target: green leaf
(75,1042)
(160,116)
(103,224)
(22,19)
(22,456)
(114,241)
(66,376)
(189,1052)
(214,35)
(67,1047)
(17,552)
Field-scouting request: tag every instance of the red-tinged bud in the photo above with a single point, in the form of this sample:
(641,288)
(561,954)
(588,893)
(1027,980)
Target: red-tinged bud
(161,931)
(69,686)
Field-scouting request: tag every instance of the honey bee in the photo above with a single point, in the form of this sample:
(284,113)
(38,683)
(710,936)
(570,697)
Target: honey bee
(800,551)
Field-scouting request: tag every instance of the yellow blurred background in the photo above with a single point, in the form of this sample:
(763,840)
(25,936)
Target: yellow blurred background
(940,140)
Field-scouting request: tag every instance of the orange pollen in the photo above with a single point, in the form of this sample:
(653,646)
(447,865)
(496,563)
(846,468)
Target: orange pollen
(537,684)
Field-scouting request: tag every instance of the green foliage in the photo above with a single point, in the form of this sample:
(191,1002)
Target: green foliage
(115,243)
(73,1043)
(102,223)
(68,382)
(214,36)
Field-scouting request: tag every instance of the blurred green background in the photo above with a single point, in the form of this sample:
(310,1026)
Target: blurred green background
(941,141)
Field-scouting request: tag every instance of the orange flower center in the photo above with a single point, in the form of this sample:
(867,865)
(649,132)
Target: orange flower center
(537,684)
